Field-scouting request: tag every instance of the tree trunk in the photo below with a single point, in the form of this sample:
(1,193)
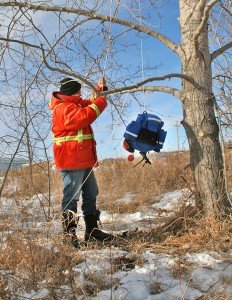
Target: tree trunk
(199,118)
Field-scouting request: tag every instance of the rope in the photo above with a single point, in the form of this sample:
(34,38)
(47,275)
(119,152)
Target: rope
(108,43)
(117,122)
(141,55)
(107,142)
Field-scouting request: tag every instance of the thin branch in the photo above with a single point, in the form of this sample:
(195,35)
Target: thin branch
(15,153)
(19,42)
(221,50)
(119,90)
(91,14)
(133,88)
(68,73)
(225,8)
(150,79)
(222,76)
(164,89)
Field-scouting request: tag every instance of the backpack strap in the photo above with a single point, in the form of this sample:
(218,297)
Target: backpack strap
(147,161)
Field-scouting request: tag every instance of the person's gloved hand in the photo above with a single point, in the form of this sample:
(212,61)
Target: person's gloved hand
(101,86)
(105,88)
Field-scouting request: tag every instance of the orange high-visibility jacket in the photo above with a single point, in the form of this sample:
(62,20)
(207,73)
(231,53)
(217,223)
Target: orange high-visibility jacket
(74,146)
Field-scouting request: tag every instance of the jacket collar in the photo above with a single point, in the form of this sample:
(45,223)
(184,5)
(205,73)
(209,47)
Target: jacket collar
(58,98)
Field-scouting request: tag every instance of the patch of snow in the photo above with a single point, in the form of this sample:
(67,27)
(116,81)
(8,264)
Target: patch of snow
(204,259)
(204,279)
(34,295)
(153,278)
(128,197)
(180,291)
(169,200)
(126,218)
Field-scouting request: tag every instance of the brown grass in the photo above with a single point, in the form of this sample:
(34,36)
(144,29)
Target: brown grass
(182,267)
(32,263)
(195,235)
(216,296)
(185,231)
(29,181)
(118,177)
(32,267)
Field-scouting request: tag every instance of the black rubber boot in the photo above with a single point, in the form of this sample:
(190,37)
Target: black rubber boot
(92,231)
(69,224)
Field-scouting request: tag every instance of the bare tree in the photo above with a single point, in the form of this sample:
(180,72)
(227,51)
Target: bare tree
(220,31)
(96,31)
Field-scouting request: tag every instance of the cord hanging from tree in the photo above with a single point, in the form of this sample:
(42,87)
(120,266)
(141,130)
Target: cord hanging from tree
(112,132)
(141,55)
(108,42)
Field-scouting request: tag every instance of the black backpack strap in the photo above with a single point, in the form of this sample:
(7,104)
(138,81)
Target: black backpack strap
(147,161)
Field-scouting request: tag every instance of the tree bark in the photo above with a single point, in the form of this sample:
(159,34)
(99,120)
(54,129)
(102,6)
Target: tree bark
(199,118)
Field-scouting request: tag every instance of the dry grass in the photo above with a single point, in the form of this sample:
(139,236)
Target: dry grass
(182,267)
(94,283)
(30,264)
(118,177)
(28,181)
(185,231)
(199,234)
(125,263)
(115,178)
(216,296)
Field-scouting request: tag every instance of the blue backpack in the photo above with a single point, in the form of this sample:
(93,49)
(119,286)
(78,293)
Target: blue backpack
(145,134)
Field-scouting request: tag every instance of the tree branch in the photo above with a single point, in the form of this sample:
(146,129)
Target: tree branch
(68,73)
(87,82)
(150,79)
(91,14)
(225,8)
(65,72)
(164,89)
(15,153)
(219,51)
(19,42)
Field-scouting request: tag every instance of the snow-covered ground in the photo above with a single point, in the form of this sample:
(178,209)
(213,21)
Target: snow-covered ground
(114,273)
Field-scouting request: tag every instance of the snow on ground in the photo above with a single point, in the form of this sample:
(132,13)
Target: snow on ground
(138,276)
(156,277)
(168,201)
(128,197)
(154,280)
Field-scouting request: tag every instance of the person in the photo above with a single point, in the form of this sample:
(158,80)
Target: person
(74,150)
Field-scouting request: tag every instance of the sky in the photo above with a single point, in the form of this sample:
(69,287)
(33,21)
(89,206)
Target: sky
(148,51)
(109,137)
(166,106)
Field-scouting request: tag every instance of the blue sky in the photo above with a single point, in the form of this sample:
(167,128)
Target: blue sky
(110,137)
(166,106)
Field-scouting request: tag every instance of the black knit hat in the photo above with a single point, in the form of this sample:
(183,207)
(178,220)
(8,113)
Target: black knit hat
(69,86)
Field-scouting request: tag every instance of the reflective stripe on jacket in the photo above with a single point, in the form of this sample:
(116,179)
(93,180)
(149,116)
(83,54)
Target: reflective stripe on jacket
(74,146)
